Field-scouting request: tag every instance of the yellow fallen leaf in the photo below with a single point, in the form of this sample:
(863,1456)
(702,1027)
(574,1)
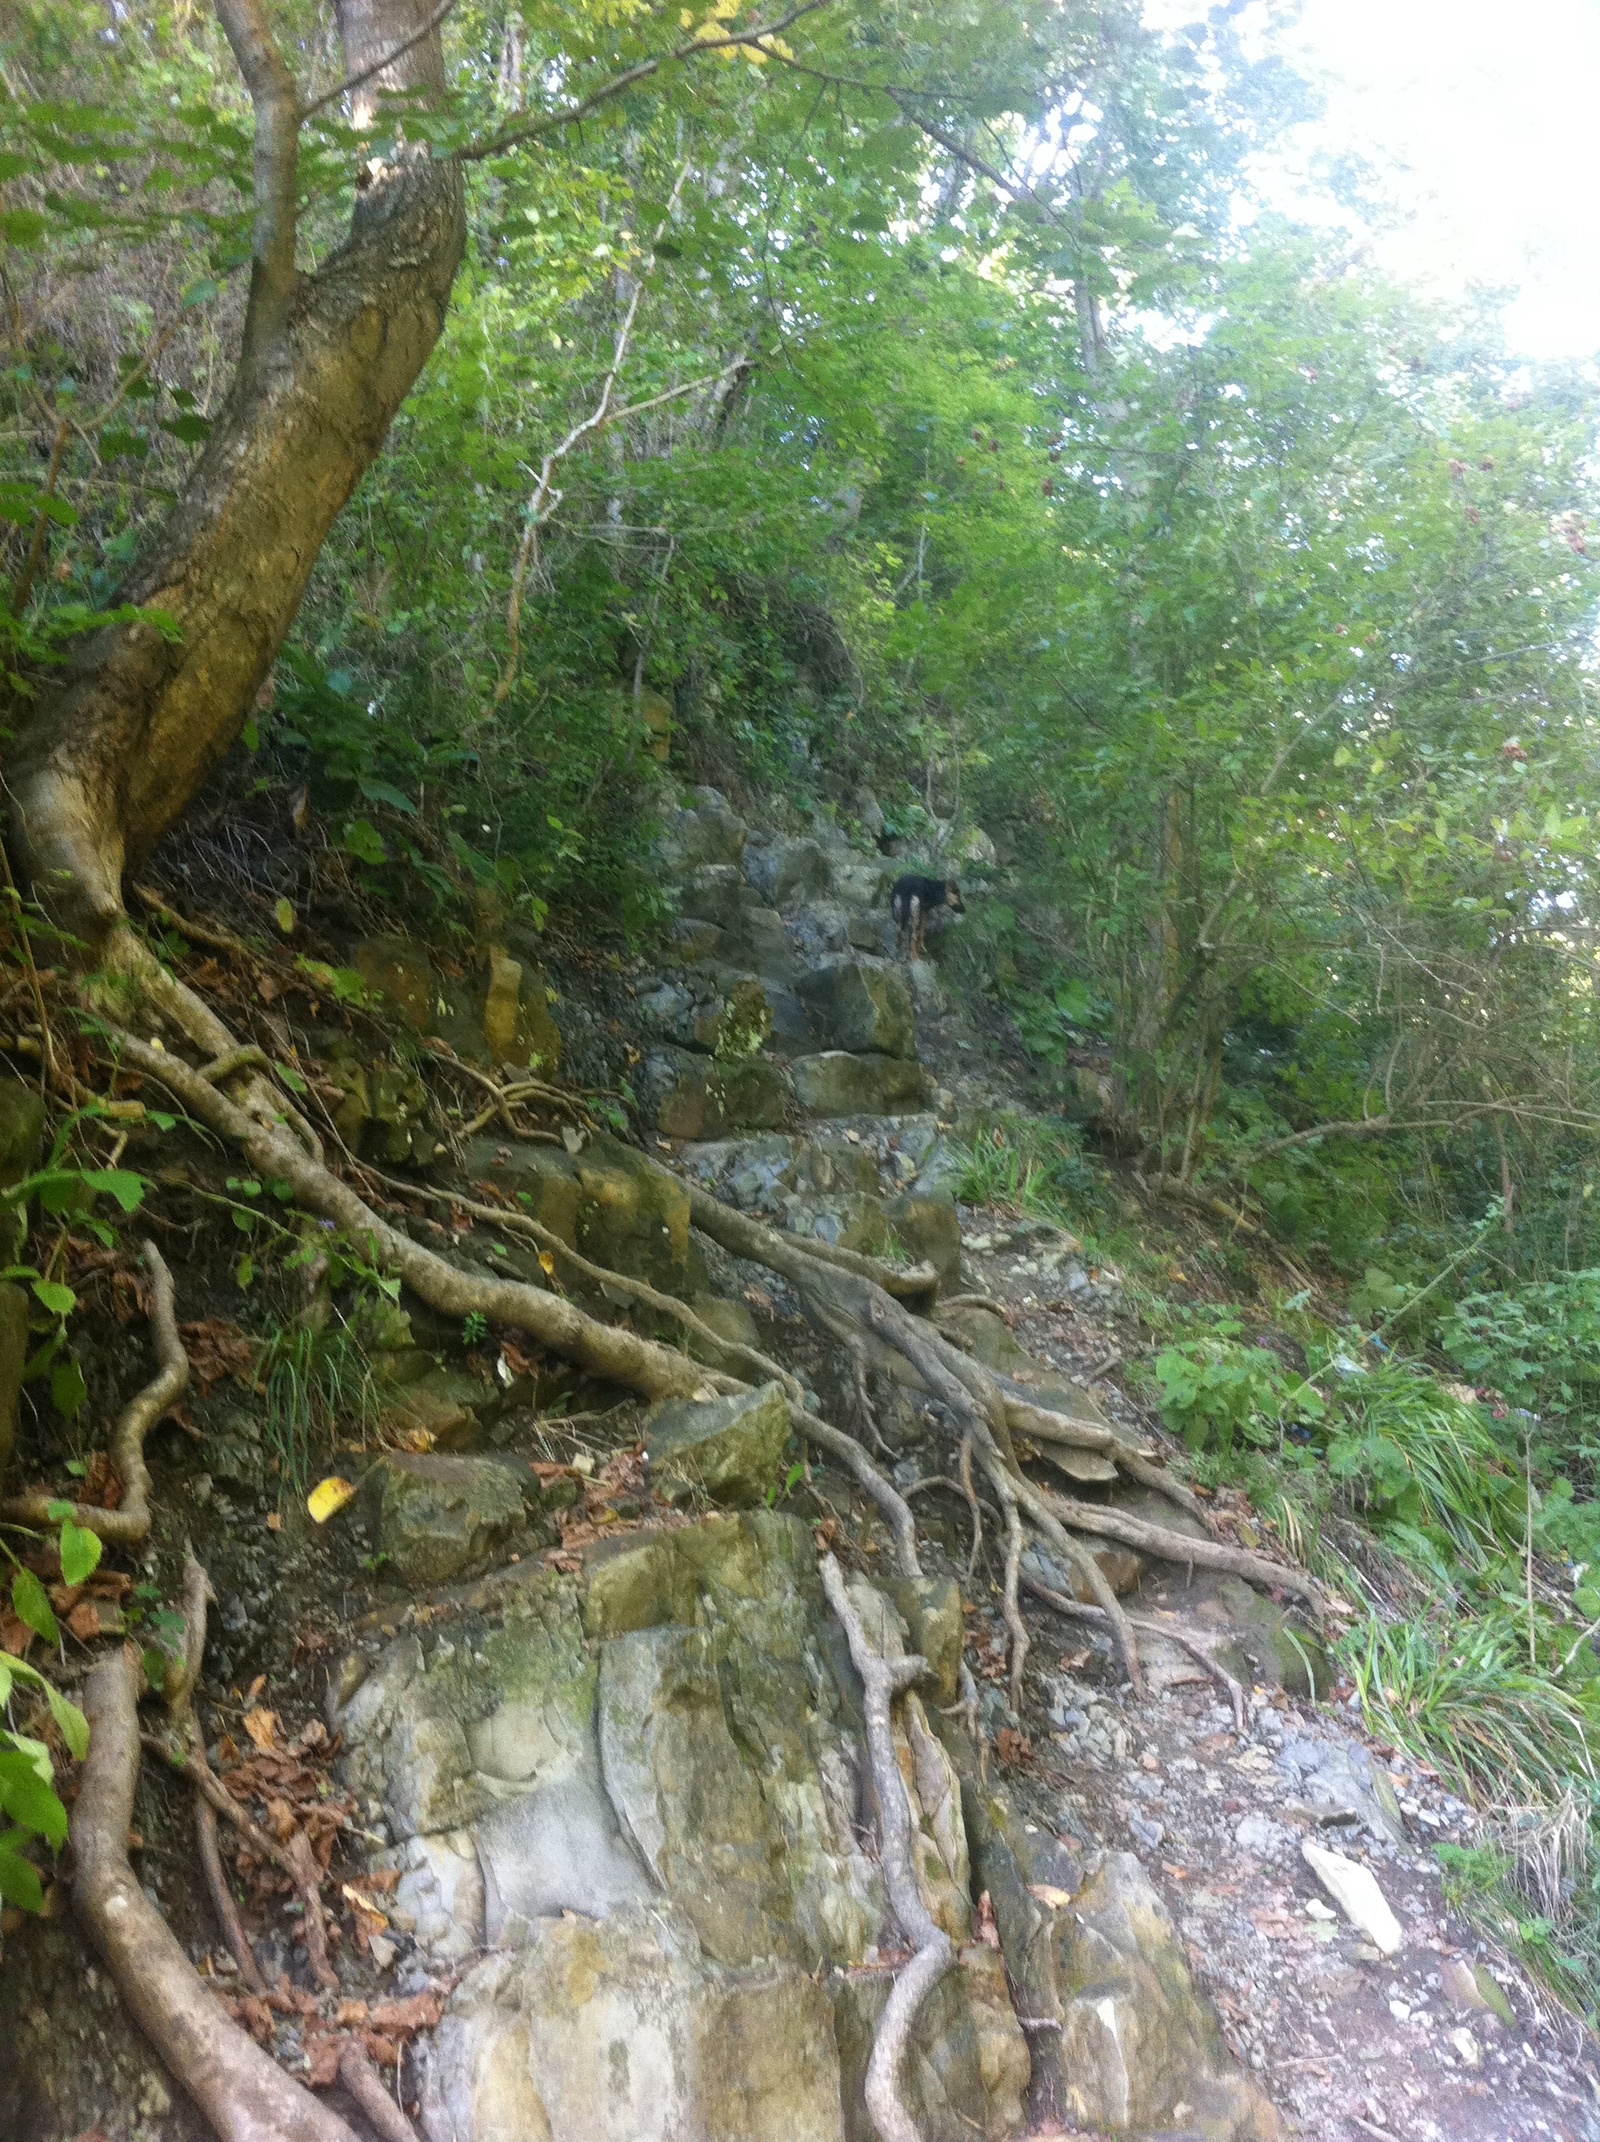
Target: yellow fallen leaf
(1052,1898)
(547,1264)
(262,1727)
(327,1497)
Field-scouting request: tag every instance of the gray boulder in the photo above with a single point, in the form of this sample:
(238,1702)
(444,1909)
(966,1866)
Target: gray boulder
(865,1009)
(786,870)
(839,1084)
(443,1517)
(729,1449)
(696,1097)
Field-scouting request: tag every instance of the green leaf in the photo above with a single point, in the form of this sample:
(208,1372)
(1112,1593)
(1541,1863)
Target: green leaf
(70,1721)
(283,915)
(32,1604)
(28,1799)
(59,1300)
(22,226)
(250,734)
(67,1394)
(382,792)
(200,292)
(363,840)
(190,429)
(80,1552)
(120,1183)
(291,1077)
(244,1272)
(19,1881)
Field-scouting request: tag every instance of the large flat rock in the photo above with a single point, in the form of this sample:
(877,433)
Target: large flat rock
(838,1084)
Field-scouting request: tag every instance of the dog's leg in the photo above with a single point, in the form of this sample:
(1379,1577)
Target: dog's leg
(919,923)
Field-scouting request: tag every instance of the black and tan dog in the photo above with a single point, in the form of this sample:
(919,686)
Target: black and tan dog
(911,903)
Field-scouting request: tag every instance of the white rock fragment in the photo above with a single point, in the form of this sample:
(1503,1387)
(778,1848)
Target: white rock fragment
(1467,2048)
(1356,1892)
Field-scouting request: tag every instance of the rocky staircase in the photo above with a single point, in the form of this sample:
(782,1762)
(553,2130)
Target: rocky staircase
(782,1064)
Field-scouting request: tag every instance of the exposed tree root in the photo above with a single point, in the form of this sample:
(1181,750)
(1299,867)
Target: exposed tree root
(789,1254)
(294,1858)
(1139,1533)
(373,2101)
(972,1395)
(240,2089)
(847,1293)
(1029,1418)
(896,1510)
(129,1524)
(881,1681)
(964,1460)
(1075,1610)
(638,1290)
(1151,1475)
(604,1349)
(1021,1642)
(129,960)
(178,1690)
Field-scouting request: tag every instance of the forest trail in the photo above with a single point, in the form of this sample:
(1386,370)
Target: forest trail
(606,1863)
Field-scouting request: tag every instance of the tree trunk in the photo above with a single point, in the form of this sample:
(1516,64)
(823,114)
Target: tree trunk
(144,711)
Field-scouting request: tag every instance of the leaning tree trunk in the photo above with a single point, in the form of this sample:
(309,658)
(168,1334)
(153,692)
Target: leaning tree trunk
(143,713)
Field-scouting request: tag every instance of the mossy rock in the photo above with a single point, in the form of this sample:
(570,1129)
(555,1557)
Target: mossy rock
(925,1221)
(608,1202)
(865,1009)
(838,1084)
(727,1449)
(437,1518)
(696,1097)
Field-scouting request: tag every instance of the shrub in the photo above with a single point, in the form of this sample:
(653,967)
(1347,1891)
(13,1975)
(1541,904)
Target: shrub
(1215,1391)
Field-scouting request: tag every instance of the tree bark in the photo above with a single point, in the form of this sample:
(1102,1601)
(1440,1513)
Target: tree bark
(144,711)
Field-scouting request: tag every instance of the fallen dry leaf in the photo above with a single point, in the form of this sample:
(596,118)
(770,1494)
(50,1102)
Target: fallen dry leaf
(1051,1898)
(92,1618)
(262,1726)
(217,1349)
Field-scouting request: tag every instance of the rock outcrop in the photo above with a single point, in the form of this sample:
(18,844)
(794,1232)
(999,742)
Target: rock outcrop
(630,1803)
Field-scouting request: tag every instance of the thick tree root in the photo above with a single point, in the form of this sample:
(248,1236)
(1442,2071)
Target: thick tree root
(1075,1610)
(621,1356)
(293,1859)
(881,1681)
(893,1505)
(790,1254)
(604,1349)
(373,2101)
(178,1690)
(244,2094)
(130,961)
(1139,1533)
(639,1290)
(129,1523)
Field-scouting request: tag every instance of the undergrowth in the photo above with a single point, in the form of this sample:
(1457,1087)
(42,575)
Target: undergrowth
(1024,1165)
(314,1383)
